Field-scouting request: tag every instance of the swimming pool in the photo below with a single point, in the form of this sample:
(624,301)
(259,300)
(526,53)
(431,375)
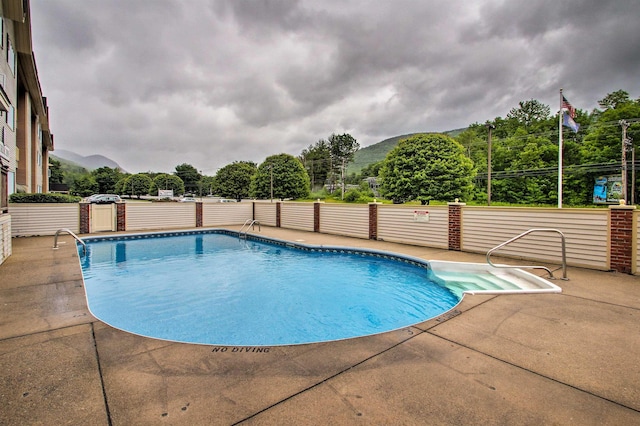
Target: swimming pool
(211,287)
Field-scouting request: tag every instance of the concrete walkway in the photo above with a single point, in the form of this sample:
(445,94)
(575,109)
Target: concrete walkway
(570,358)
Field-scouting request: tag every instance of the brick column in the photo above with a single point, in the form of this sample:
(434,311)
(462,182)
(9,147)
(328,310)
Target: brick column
(199,214)
(455,226)
(278,210)
(373,221)
(621,233)
(121,217)
(316,216)
(85,214)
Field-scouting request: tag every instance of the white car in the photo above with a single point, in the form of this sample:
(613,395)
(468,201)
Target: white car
(104,199)
(187,200)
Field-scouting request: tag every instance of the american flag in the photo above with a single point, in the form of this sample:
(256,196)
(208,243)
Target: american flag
(566,105)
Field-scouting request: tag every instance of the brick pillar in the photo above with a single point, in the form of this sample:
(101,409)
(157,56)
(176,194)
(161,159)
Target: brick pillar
(455,226)
(199,214)
(278,210)
(621,232)
(316,216)
(121,217)
(373,221)
(85,214)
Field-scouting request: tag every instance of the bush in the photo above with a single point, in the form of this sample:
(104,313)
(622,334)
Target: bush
(43,198)
(352,196)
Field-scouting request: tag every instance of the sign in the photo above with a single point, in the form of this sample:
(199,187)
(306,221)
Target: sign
(420,216)
(607,190)
(165,193)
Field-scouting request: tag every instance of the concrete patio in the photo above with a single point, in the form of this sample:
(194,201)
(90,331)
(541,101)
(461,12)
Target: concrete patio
(569,358)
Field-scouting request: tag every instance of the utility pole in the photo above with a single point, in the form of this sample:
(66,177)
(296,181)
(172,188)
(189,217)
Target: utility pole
(489,127)
(271,169)
(624,126)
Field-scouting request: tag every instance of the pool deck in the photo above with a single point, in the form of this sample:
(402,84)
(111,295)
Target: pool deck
(569,358)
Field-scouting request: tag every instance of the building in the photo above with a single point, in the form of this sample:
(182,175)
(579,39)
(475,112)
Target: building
(25,136)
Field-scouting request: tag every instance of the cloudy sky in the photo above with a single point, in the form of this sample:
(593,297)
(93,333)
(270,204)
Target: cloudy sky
(156,83)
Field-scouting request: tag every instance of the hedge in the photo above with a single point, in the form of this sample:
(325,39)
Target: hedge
(43,198)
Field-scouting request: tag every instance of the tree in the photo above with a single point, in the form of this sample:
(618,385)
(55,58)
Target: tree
(427,167)
(317,161)
(167,181)
(190,176)
(84,186)
(106,177)
(234,180)
(342,148)
(529,112)
(138,184)
(613,100)
(57,175)
(282,176)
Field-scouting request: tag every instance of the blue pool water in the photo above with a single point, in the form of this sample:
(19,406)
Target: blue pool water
(213,288)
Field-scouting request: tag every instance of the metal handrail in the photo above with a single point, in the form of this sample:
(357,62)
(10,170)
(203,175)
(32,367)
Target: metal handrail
(55,239)
(564,253)
(251,224)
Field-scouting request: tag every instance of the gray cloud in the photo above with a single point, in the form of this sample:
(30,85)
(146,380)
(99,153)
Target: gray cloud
(153,84)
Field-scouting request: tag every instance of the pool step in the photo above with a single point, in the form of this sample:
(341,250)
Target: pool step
(483,278)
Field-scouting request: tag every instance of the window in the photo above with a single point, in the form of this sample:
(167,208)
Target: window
(1,32)
(11,118)
(11,56)
(4,193)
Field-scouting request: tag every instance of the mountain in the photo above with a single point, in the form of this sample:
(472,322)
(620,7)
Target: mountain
(377,152)
(90,162)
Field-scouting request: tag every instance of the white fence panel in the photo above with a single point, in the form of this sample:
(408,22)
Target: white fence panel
(265,213)
(218,214)
(5,237)
(340,219)
(586,232)
(410,225)
(43,218)
(142,216)
(297,216)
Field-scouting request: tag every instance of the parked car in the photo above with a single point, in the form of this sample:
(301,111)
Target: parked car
(104,199)
(187,200)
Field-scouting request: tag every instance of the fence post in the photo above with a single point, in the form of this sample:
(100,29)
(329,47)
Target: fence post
(455,225)
(621,236)
(373,220)
(198,214)
(316,216)
(278,212)
(121,217)
(85,214)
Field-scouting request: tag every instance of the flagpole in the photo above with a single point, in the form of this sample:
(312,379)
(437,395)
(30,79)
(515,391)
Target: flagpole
(560,153)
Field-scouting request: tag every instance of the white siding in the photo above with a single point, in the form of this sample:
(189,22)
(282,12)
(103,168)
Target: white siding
(297,216)
(265,213)
(397,224)
(5,237)
(586,232)
(43,219)
(160,216)
(217,214)
(340,219)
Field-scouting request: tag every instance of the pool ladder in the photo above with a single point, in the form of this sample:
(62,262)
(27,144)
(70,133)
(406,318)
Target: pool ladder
(249,223)
(564,253)
(68,231)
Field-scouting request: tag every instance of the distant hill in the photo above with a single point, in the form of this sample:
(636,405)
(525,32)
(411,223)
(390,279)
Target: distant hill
(90,162)
(377,152)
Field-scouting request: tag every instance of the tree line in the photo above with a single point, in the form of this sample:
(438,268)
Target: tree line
(424,167)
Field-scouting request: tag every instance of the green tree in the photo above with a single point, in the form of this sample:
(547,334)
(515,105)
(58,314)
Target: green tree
(57,175)
(167,181)
(106,177)
(190,176)
(529,112)
(234,180)
(284,174)
(207,185)
(138,184)
(614,99)
(427,167)
(342,148)
(84,186)
(317,161)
